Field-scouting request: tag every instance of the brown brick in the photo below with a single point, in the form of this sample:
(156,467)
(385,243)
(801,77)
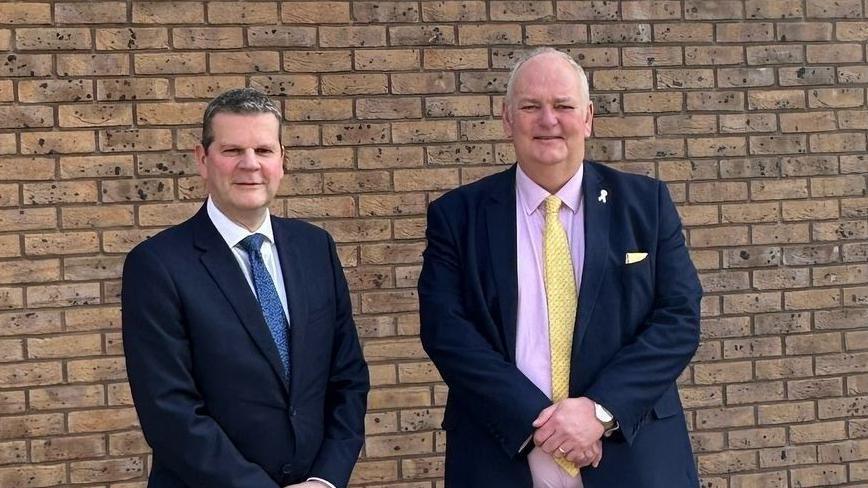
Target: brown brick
(25,13)
(425,179)
(692,32)
(57,142)
(650,10)
(714,101)
(554,34)
(490,34)
(65,243)
(243,62)
(836,97)
(95,115)
(776,54)
(745,77)
(413,83)
(14,117)
(106,470)
(53,39)
(132,38)
(804,31)
(757,438)
(839,9)
(133,89)
(207,37)
(820,475)
(361,36)
(390,157)
(387,59)
(455,59)
(453,11)
(64,448)
(421,35)
(168,12)
(818,432)
(315,12)
(777,99)
(834,53)
(806,75)
(283,85)
(28,65)
(622,80)
(727,462)
(242,12)
(33,476)
(354,84)
(127,443)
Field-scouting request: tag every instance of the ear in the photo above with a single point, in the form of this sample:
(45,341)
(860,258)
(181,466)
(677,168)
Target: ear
(589,118)
(506,117)
(200,155)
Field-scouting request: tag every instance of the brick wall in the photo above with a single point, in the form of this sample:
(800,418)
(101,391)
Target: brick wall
(753,111)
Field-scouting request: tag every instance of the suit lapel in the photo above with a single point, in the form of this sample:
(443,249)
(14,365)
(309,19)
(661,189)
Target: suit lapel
(502,247)
(221,264)
(292,266)
(597,218)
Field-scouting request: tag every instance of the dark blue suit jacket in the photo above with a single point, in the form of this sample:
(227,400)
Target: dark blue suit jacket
(636,329)
(205,373)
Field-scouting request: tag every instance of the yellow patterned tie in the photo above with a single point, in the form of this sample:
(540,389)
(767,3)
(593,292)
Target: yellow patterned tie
(562,301)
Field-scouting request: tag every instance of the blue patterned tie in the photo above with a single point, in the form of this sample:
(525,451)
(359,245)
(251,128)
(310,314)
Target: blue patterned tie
(272,310)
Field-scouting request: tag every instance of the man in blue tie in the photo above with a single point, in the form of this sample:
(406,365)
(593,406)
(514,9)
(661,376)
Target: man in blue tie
(242,354)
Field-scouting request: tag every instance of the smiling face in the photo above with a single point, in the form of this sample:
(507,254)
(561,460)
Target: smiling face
(243,165)
(548,118)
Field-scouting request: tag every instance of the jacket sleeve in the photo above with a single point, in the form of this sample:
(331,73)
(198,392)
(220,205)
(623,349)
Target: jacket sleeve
(492,390)
(346,398)
(172,414)
(641,372)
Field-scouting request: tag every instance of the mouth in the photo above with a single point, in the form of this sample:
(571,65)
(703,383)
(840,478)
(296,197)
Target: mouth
(548,138)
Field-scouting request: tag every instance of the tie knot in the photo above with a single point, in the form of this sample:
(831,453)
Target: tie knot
(553,205)
(252,243)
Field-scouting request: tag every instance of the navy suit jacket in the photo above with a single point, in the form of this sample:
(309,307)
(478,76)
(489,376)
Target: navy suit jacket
(636,329)
(205,374)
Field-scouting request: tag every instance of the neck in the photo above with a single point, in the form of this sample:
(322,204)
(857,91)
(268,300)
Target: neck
(552,178)
(249,220)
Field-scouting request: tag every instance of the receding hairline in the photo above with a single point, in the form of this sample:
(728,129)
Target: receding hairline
(584,90)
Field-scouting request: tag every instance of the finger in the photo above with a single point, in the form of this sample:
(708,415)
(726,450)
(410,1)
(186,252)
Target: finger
(544,416)
(587,458)
(542,434)
(552,443)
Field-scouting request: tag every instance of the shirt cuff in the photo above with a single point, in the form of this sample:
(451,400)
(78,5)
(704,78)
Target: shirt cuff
(321,481)
(524,445)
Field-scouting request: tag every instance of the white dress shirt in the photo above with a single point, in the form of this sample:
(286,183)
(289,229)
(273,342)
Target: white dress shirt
(233,234)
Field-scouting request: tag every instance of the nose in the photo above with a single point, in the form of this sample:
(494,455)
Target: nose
(547,117)
(248,159)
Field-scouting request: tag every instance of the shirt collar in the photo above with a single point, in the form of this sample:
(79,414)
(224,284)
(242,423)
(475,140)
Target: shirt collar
(233,233)
(532,195)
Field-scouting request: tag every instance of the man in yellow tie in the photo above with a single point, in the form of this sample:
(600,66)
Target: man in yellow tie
(559,303)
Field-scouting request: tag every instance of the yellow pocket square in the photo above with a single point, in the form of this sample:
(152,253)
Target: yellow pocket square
(635,257)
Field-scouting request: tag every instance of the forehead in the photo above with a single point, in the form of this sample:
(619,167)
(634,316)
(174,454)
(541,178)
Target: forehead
(547,76)
(230,126)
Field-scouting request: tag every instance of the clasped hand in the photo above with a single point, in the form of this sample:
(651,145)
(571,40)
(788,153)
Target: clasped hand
(570,429)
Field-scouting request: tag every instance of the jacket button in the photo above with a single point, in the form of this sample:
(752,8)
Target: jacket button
(286,469)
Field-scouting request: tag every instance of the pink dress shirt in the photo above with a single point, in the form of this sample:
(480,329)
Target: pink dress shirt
(532,353)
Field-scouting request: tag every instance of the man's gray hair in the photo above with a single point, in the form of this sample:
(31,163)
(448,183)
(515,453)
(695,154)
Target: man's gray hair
(238,101)
(583,78)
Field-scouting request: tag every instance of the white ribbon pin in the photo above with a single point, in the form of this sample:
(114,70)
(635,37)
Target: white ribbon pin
(603,195)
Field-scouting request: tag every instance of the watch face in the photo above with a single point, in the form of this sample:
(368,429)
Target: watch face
(602,414)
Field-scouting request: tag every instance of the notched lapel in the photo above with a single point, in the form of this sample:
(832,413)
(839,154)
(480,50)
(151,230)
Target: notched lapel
(597,221)
(223,268)
(294,279)
(502,248)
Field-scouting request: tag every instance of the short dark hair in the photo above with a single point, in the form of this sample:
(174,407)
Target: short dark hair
(238,101)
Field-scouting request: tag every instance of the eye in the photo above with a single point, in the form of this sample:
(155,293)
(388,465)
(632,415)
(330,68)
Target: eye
(230,151)
(264,150)
(527,108)
(563,106)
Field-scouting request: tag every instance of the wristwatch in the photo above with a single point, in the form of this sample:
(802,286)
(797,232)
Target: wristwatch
(605,417)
